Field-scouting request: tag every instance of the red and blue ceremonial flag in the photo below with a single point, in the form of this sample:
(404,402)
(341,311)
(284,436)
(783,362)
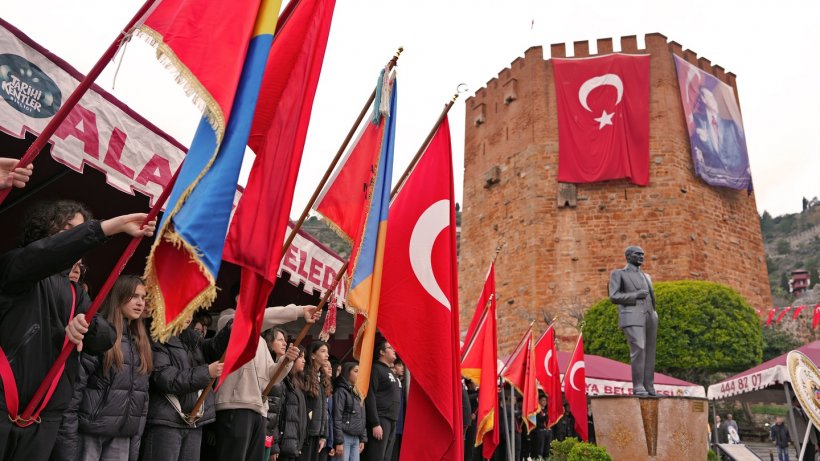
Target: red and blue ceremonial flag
(357,202)
(191,36)
(280,126)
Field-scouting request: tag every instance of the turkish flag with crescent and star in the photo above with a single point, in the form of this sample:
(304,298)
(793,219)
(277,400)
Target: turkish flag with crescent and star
(575,390)
(547,373)
(603,118)
(418,308)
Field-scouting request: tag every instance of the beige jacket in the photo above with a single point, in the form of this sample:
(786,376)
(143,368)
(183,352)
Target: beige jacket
(243,388)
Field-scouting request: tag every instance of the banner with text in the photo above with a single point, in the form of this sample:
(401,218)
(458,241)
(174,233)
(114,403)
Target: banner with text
(100,131)
(310,262)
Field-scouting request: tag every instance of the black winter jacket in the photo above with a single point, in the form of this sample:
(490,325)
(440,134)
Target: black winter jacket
(348,414)
(181,369)
(35,304)
(105,404)
(292,421)
(317,411)
(384,397)
(275,401)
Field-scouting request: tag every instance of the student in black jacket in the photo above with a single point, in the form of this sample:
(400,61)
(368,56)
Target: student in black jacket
(293,416)
(110,401)
(41,310)
(350,431)
(382,404)
(317,388)
(183,366)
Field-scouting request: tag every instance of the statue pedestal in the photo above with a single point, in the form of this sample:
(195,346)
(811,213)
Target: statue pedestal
(651,429)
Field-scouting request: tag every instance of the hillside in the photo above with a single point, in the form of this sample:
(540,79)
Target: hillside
(792,242)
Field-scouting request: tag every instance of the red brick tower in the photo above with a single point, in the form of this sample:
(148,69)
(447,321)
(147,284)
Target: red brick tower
(562,241)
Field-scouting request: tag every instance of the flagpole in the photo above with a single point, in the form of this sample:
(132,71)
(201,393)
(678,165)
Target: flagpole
(55,370)
(279,370)
(424,145)
(506,422)
(38,144)
(298,225)
(511,426)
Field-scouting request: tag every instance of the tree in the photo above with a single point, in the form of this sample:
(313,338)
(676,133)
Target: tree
(783,247)
(704,328)
(777,342)
(766,224)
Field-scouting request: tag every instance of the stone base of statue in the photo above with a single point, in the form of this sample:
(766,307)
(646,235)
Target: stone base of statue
(651,428)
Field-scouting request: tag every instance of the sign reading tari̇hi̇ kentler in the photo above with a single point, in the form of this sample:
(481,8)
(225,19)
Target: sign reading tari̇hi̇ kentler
(715,128)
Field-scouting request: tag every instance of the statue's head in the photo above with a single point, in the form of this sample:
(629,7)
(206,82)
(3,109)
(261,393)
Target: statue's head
(634,255)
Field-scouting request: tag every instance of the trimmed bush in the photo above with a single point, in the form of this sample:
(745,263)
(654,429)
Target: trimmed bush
(588,452)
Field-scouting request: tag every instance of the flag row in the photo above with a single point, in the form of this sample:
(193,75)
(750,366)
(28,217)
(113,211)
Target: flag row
(776,314)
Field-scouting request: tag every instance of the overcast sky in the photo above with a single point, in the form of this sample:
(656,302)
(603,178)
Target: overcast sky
(770,46)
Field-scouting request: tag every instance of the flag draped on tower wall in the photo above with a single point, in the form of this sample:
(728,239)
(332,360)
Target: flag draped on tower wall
(357,201)
(603,118)
(190,36)
(520,373)
(277,136)
(575,389)
(479,363)
(419,305)
(547,373)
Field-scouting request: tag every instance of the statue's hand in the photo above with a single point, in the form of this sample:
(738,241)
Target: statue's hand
(642,294)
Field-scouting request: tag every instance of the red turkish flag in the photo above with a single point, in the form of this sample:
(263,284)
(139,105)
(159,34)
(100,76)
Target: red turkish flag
(770,317)
(797,311)
(418,307)
(546,370)
(520,373)
(575,385)
(816,319)
(782,314)
(479,363)
(603,118)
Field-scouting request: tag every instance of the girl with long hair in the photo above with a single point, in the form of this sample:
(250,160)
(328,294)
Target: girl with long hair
(277,341)
(350,430)
(317,385)
(292,423)
(111,400)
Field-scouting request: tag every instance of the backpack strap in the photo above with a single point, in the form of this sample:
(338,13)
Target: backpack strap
(10,384)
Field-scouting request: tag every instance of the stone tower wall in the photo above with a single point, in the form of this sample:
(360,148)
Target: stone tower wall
(556,259)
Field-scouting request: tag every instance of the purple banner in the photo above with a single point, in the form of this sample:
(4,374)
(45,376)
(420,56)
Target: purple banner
(716,133)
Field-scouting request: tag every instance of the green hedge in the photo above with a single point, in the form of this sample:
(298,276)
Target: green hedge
(704,327)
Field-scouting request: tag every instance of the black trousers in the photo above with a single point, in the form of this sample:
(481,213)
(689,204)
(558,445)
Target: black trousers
(240,435)
(380,450)
(32,443)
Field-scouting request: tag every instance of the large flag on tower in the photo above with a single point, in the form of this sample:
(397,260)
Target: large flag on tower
(479,363)
(575,390)
(190,36)
(277,137)
(520,373)
(419,303)
(546,360)
(603,118)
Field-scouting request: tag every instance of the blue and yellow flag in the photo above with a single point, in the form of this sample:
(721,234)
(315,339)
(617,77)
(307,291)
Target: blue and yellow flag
(184,262)
(366,274)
